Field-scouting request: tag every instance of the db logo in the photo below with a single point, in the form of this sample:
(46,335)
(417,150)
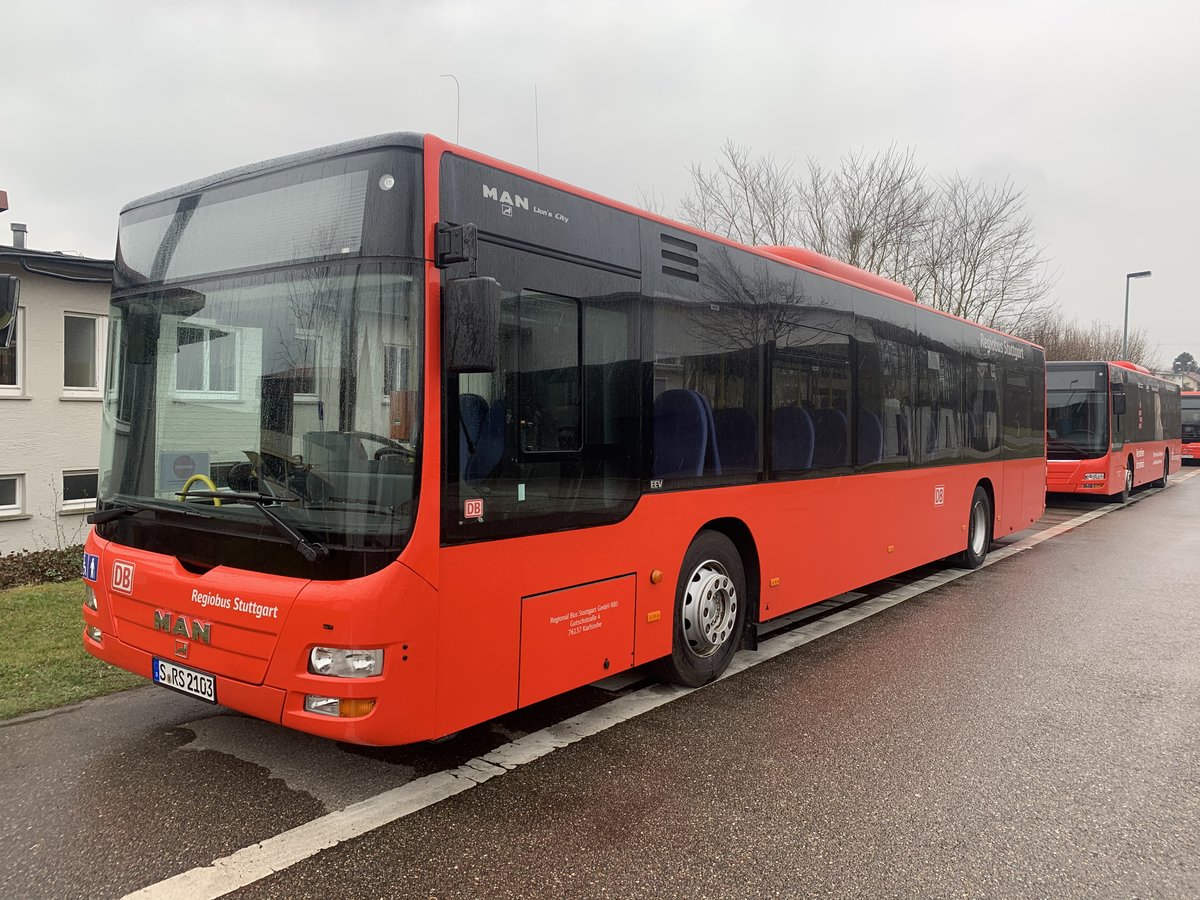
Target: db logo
(939,494)
(122,579)
(473,509)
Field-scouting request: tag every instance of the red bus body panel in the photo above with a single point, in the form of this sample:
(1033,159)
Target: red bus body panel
(476,630)
(1190,450)
(491,638)
(1066,476)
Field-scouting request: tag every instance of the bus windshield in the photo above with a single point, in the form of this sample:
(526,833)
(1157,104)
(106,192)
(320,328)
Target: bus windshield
(296,386)
(1191,419)
(1076,414)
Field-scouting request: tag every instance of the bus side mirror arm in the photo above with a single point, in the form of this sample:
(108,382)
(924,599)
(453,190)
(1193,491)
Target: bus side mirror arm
(456,244)
(10,294)
(471,325)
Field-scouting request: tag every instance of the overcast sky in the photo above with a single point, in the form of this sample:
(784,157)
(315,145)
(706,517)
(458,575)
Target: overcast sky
(1092,107)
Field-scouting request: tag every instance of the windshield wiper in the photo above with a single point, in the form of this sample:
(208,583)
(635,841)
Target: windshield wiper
(124,508)
(312,551)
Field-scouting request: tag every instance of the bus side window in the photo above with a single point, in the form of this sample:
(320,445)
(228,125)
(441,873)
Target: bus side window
(706,394)
(883,392)
(810,389)
(1019,429)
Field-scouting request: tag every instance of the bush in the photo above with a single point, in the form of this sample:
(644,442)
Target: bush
(40,566)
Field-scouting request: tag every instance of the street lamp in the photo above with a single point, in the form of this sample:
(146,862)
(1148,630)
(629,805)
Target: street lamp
(1125,333)
(458,107)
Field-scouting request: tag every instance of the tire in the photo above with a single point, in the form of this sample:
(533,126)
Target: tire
(979,531)
(1127,492)
(1162,482)
(713,581)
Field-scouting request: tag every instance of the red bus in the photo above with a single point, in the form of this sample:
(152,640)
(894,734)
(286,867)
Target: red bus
(1189,402)
(398,438)
(1110,427)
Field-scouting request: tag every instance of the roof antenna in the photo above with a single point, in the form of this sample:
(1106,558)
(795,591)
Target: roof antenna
(457,108)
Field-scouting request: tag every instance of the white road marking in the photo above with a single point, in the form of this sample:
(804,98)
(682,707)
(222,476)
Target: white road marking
(264,859)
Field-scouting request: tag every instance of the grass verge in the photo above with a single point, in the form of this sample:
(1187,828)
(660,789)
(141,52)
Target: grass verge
(42,660)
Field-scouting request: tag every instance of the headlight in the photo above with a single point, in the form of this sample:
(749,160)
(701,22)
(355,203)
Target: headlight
(338,663)
(89,597)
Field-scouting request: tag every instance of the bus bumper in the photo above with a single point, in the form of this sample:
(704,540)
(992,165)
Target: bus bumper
(1089,476)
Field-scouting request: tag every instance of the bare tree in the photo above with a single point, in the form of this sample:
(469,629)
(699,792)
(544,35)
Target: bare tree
(962,246)
(1065,339)
(652,201)
(871,213)
(754,201)
(981,259)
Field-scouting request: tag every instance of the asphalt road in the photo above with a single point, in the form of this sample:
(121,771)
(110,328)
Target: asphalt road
(1027,730)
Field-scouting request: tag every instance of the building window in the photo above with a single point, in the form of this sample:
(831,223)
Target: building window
(396,361)
(11,361)
(12,498)
(205,361)
(83,354)
(308,369)
(79,490)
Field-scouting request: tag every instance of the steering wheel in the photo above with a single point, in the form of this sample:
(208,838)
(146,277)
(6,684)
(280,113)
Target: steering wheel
(390,446)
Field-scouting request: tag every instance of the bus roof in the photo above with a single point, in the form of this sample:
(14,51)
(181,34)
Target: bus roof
(795,256)
(392,139)
(1118,363)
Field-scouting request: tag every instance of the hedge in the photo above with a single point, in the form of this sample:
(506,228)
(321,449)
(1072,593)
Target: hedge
(40,566)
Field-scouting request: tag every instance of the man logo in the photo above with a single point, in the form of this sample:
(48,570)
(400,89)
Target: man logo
(182,626)
(504,198)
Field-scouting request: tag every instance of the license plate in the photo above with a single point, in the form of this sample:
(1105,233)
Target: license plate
(187,681)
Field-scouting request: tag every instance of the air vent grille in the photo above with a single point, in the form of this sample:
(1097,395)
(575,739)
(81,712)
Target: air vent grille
(681,254)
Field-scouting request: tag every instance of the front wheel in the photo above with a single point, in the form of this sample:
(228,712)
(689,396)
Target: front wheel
(1127,490)
(979,531)
(710,609)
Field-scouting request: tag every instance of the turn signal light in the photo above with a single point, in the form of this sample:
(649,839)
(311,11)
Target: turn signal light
(343,707)
(353,707)
(89,597)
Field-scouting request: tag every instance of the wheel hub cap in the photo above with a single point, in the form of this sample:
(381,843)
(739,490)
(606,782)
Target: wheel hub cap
(978,528)
(710,606)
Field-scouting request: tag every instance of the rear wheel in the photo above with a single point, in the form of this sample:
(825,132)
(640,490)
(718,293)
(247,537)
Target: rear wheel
(979,531)
(710,609)
(1162,482)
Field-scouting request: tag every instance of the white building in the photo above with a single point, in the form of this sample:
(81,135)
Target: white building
(1188,381)
(51,390)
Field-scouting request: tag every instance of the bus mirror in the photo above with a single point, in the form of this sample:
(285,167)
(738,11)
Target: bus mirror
(10,293)
(471,325)
(1118,401)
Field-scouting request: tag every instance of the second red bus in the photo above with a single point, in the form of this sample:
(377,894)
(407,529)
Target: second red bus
(1111,427)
